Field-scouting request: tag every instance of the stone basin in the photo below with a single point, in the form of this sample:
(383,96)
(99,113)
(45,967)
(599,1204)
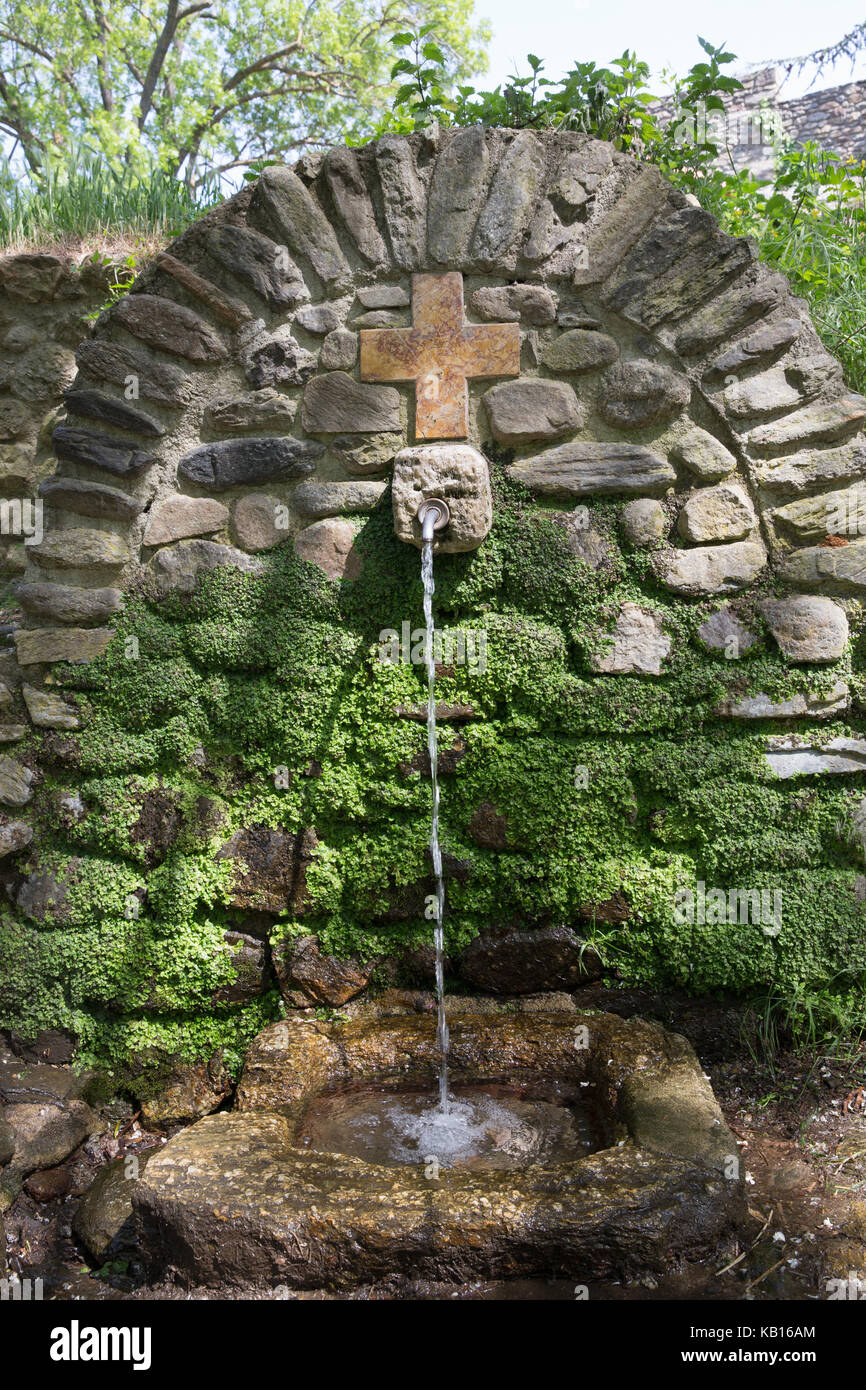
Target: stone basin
(235,1198)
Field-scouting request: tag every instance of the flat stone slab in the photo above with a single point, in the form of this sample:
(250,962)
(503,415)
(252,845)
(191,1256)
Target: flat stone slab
(74,644)
(581,468)
(177,517)
(230,462)
(334,403)
(793,758)
(232,1199)
(100,406)
(175,329)
(89,499)
(98,451)
(337,499)
(838,569)
(637,645)
(710,569)
(761,706)
(68,603)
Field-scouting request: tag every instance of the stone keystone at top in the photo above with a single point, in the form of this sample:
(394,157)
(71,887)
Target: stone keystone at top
(440,353)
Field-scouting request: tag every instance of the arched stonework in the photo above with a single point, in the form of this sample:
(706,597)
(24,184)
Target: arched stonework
(674,406)
(232,371)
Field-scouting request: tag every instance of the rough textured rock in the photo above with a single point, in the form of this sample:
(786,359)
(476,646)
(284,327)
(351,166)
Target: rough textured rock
(533,304)
(289,207)
(256,519)
(638,644)
(759,347)
(104,1213)
(170,327)
(176,568)
(456,473)
(330,544)
(489,828)
(257,261)
(233,461)
(272,868)
(277,359)
(704,456)
(404,200)
(98,451)
(790,756)
(801,472)
(254,410)
(523,411)
(318,318)
(761,395)
(45,1134)
(323,979)
(112,411)
(335,499)
(823,423)
(723,631)
(175,518)
(581,468)
(812,706)
(89,499)
(48,711)
(713,569)
(527,962)
(15,835)
(616,232)
(504,219)
(837,569)
(156,381)
(354,204)
(68,604)
(339,350)
(839,513)
(580,350)
(75,644)
(807,628)
(637,394)
(78,547)
(722,513)
(644,521)
(456,191)
(190,1093)
(335,403)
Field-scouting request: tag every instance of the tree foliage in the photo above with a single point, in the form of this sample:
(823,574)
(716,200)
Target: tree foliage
(207,84)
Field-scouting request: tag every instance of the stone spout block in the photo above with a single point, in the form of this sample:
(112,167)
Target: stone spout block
(458,474)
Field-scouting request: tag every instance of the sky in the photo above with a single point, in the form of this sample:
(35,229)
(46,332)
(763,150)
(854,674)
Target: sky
(664,33)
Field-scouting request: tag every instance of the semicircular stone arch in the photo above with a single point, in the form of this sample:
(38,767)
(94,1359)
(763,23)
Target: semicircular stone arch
(663,372)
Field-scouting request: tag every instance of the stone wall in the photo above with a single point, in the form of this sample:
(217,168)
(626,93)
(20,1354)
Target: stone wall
(46,303)
(759,114)
(219,801)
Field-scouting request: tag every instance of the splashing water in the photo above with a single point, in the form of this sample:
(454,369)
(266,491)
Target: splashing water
(435,852)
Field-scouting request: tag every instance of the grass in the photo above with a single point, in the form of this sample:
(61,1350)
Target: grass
(84,205)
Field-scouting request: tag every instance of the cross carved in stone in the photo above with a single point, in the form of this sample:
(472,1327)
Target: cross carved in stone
(441,353)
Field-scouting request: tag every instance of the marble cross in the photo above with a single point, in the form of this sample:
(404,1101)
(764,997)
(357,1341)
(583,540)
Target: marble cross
(441,353)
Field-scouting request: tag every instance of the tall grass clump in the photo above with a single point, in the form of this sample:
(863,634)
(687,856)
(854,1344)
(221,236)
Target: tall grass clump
(83,198)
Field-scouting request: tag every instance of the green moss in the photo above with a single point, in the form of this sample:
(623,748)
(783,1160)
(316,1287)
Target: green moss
(263,700)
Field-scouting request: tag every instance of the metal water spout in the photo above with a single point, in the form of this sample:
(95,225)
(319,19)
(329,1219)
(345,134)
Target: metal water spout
(434,515)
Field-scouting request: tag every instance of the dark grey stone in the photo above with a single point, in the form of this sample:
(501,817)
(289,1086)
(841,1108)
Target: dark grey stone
(89,499)
(67,603)
(259,262)
(157,381)
(335,403)
(112,411)
(230,462)
(98,451)
(170,327)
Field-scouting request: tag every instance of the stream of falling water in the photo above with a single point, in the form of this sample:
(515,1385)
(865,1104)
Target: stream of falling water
(435,852)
